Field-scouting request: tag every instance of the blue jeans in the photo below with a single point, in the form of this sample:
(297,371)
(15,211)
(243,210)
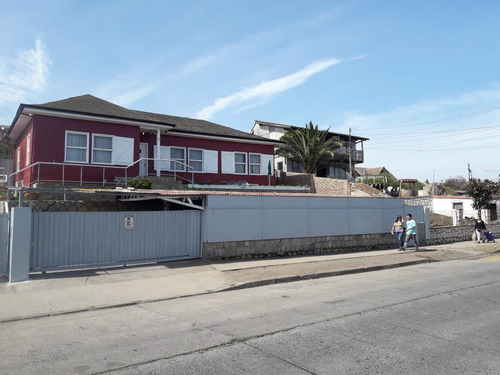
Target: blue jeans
(400,236)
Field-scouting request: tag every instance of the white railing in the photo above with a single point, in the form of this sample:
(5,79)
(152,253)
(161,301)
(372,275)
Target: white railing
(38,165)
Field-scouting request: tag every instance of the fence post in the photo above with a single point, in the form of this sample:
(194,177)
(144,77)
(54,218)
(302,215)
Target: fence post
(20,244)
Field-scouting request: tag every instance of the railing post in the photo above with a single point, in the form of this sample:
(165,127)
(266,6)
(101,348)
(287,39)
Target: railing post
(126,177)
(38,175)
(63,176)
(81,175)
(103,176)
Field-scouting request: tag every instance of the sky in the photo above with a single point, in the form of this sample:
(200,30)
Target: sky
(420,79)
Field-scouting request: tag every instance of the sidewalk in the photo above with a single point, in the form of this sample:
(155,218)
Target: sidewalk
(75,291)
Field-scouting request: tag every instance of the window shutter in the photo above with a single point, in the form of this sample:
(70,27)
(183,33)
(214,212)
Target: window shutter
(264,164)
(123,150)
(164,154)
(210,161)
(227,159)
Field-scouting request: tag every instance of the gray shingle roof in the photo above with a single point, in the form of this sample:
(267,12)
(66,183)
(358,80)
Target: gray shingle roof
(91,105)
(202,127)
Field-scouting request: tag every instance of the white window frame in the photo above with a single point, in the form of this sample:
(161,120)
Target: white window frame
(28,149)
(66,146)
(245,164)
(102,149)
(174,164)
(201,161)
(250,164)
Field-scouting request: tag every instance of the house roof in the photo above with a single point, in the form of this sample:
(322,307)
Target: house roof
(375,171)
(187,125)
(89,105)
(265,123)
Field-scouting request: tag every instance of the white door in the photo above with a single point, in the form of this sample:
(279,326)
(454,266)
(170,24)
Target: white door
(143,154)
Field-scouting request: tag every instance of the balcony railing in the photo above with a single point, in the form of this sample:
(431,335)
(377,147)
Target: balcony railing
(64,180)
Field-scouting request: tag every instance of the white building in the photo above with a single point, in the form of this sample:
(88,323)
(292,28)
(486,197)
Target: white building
(275,131)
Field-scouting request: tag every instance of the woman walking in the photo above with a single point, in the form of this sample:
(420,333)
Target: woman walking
(399,230)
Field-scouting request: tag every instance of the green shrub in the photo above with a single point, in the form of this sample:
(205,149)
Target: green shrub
(141,183)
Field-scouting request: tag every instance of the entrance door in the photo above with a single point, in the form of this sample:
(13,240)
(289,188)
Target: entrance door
(143,164)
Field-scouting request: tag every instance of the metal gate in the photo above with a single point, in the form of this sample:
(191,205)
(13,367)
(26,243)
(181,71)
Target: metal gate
(4,244)
(63,240)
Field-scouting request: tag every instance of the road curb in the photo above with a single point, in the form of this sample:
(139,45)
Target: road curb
(245,285)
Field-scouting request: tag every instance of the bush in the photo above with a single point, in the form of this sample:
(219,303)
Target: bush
(141,183)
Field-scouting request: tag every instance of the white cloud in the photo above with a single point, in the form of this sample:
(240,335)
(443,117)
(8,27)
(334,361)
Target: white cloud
(24,75)
(266,89)
(434,138)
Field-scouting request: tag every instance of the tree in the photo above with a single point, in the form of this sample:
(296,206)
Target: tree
(481,192)
(6,144)
(310,147)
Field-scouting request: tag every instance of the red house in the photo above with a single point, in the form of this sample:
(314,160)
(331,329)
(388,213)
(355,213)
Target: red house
(87,140)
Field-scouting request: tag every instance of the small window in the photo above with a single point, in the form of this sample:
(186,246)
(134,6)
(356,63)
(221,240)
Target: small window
(102,149)
(254,164)
(178,160)
(196,160)
(77,147)
(240,163)
(272,129)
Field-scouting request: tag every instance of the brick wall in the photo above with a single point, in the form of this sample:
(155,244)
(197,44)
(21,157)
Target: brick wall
(331,186)
(318,185)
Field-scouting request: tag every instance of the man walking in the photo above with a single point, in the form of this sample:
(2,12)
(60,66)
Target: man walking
(411,232)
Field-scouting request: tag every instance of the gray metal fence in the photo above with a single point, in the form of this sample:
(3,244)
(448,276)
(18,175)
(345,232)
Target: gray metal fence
(4,244)
(86,239)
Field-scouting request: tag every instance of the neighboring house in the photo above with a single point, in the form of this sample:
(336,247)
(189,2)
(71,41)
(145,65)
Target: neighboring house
(374,175)
(275,131)
(457,207)
(85,139)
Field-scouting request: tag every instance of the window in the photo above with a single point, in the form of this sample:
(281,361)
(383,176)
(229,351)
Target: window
(254,164)
(272,129)
(102,149)
(18,161)
(28,149)
(177,159)
(240,163)
(196,160)
(77,147)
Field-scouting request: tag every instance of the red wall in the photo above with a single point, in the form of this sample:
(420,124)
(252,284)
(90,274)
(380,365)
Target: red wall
(48,145)
(216,145)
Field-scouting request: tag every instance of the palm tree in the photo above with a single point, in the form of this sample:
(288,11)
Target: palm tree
(310,147)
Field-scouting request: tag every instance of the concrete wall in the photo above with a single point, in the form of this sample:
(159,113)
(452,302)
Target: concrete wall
(242,227)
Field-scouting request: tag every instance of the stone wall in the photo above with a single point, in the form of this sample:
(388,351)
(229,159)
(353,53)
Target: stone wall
(298,246)
(420,201)
(451,234)
(90,206)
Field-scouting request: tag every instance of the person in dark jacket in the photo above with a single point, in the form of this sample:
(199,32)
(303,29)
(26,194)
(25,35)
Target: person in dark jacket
(480,229)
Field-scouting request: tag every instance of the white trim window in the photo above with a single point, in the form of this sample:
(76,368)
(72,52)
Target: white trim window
(195,160)
(177,159)
(240,163)
(102,149)
(254,164)
(76,150)
(28,149)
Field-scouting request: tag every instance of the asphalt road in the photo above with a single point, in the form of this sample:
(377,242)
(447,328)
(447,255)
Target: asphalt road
(439,318)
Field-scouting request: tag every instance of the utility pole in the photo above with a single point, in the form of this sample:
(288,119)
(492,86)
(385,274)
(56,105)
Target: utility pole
(350,151)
